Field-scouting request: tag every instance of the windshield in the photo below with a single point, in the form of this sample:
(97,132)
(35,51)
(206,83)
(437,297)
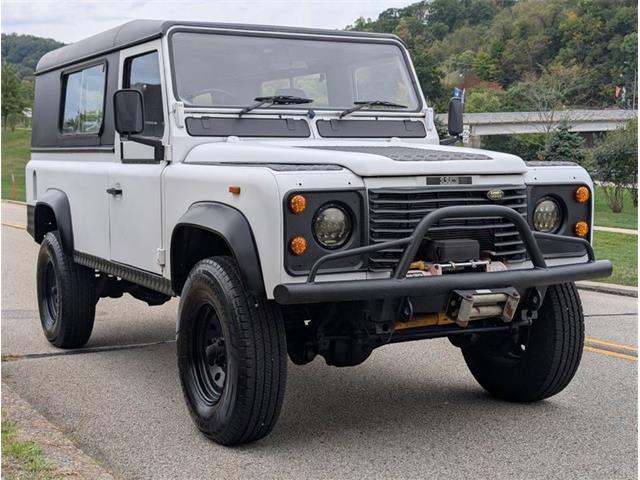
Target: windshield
(213,70)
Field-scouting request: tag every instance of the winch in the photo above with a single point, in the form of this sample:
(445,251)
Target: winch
(467,305)
(454,256)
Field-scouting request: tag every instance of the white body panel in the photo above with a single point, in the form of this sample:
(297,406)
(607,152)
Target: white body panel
(363,164)
(84,178)
(136,215)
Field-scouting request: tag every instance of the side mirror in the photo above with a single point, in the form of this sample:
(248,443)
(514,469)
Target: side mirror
(455,122)
(128,108)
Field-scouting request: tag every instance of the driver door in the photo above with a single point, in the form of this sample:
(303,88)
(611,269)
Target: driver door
(135,179)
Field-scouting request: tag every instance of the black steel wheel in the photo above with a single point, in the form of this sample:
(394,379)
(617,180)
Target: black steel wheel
(231,355)
(543,361)
(208,357)
(66,295)
(51,299)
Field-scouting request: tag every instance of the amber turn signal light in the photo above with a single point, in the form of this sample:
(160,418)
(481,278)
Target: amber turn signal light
(582,194)
(297,204)
(581,229)
(298,245)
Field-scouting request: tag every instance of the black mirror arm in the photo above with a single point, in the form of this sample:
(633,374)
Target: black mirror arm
(156,143)
(450,140)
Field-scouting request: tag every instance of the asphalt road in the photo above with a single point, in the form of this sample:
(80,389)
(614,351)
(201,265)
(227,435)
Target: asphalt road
(411,411)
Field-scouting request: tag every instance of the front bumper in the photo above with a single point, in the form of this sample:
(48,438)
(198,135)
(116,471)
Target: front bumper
(398,285)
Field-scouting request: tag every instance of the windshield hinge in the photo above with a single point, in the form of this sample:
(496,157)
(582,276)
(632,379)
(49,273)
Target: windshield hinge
(178,113)
(428,117)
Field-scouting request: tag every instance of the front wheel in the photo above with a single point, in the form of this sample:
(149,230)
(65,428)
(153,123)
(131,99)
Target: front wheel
(231,355)
(541,365)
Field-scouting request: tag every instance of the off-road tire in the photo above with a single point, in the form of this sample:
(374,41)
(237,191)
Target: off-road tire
(551,356)
(254,360)
(66,295)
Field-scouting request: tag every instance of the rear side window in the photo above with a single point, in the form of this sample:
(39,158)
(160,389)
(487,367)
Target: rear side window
(83,108)
(143,74)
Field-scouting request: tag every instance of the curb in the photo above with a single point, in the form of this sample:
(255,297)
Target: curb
(59,450)
(623,231)
(15,202)
(610,288)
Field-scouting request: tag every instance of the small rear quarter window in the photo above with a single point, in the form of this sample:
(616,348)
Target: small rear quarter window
(83,107)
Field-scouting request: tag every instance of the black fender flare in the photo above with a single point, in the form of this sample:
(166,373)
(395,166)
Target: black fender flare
(58,202)
(231,226)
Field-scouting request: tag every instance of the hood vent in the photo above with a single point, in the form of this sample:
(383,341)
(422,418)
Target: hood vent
(407,154)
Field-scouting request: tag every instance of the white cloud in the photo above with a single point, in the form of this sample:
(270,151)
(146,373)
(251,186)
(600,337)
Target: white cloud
(73,20)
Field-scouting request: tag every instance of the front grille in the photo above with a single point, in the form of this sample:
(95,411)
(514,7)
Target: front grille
(395,213)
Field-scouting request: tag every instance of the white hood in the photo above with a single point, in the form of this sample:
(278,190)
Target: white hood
(364,158)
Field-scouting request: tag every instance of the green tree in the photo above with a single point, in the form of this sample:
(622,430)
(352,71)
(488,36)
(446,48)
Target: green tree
(463,63)
(14,100)
(480,100)
(563,144)
(481,12)
(614,162)
(546,94)
(485,67)
(430,76)
(446,12)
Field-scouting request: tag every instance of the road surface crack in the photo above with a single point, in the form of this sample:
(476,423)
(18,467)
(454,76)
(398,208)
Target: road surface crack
(106,348)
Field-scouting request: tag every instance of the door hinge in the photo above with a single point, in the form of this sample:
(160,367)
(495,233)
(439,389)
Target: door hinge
(161,256)
(178,112)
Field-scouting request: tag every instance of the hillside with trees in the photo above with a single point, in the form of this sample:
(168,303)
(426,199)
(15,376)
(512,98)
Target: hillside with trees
(519,55)
(24,51)
(20,55)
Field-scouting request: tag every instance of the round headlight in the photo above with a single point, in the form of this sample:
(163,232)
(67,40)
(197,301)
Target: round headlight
(332,226)
(547,216)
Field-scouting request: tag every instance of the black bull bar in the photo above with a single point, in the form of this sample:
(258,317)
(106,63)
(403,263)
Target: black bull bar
(400,286)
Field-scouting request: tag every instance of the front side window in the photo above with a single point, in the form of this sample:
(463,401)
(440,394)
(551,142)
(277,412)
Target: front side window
(143,74)
(215,70)
(84,100)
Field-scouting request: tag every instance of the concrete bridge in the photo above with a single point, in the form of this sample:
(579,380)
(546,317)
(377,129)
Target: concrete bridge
(512,123)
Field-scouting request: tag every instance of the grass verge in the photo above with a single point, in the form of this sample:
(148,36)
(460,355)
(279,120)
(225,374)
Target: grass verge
(604,217)
(16,147)
(21,459)
(622,250)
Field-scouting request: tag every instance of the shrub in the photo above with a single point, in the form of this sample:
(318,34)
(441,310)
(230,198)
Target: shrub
(526,146)
(614,162)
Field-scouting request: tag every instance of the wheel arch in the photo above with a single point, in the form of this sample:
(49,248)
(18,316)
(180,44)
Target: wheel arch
(53,212)
(210,228)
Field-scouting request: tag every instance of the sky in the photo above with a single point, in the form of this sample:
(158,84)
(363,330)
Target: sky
(71,20)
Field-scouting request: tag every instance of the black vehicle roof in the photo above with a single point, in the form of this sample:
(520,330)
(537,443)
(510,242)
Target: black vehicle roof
(140,31)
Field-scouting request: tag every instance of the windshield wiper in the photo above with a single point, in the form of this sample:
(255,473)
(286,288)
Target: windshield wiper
(370,103)
(275,100)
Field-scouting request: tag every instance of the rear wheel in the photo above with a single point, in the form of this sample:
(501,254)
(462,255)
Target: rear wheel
(231,355)
(545,359)
(66,295)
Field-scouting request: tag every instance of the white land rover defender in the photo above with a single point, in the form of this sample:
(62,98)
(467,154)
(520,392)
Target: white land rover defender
(289,185)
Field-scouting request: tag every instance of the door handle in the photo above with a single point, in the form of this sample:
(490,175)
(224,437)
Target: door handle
(114,191)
